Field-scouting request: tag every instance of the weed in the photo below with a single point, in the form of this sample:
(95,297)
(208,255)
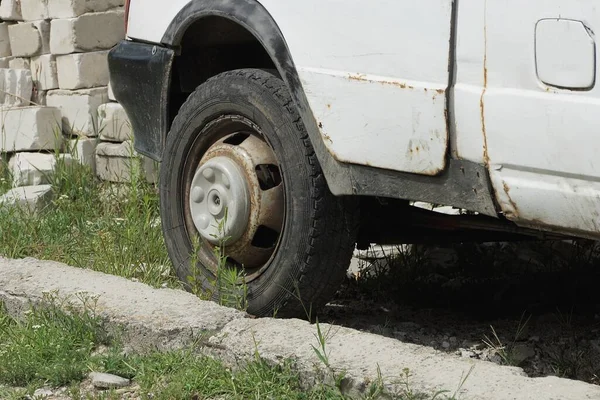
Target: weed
(321,350)
(406,392)
(228,286)
(5,175)
(505,352)
(48,345)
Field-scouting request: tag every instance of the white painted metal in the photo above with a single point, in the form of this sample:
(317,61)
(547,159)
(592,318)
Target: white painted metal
(379,121)
(467,140)
(149,19)
(542,143)
(565,54)
(374,73)
(371,72)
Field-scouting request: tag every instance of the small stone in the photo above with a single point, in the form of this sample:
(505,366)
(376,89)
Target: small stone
(521,352)
(467,353)
(108,381)
(446,345)
(42,393)
(453,340)
(400,335)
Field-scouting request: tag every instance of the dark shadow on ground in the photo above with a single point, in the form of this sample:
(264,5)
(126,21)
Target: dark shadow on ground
(531,304)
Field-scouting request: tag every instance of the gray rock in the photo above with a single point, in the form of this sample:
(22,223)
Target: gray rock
(42,393)
(521,352)
(445,345)
(33,198)
(108,381)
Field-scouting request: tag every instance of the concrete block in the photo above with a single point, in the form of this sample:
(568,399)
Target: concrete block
(38,97)
(74,8)
(82,70)
(30,128)
(116,162)
(16,87)
(79,109)
(34,10)
(19,63)
(5,62)
(28,39)
(10,10)
(84,151)
(111,94)
(34,168)
(88,32)
(44,72)
(150,168)
(4,40)
(32,198)
(114,123)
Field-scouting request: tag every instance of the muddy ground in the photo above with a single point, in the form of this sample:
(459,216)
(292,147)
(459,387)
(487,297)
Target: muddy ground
(532,304)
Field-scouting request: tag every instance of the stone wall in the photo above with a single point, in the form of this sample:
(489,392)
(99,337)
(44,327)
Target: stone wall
(55,92)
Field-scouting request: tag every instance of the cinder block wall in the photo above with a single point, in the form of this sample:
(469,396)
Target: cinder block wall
(54,89)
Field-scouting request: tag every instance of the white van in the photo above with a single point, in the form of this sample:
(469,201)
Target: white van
(296,130)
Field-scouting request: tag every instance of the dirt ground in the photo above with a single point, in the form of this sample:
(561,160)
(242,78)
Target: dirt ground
(532,304)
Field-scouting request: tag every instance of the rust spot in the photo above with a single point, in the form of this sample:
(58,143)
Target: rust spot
(329,106)
(321,125)
(357,77)
(486,157)
(399,84)
(362,78)
(440,91)
(515,210)
(327,137)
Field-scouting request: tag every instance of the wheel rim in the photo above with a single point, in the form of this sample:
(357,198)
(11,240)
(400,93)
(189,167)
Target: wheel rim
(236,194)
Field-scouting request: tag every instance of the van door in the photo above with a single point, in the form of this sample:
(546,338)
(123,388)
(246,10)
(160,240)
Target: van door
(375,74)
(541,111)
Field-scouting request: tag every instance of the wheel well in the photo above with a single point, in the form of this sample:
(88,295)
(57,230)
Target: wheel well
(210,46)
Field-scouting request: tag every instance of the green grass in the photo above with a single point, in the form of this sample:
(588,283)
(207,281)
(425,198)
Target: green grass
(50,347)
(92,224)
(53,348)
(5,178)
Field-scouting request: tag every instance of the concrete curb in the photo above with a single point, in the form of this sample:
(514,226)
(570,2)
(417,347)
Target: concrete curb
(168,319)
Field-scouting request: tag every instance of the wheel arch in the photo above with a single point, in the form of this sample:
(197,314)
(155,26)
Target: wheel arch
(255,20)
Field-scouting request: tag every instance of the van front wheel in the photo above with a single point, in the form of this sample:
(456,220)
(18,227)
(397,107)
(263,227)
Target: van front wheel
(239,165)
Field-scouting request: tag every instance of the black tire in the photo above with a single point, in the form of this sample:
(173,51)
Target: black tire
(319,229)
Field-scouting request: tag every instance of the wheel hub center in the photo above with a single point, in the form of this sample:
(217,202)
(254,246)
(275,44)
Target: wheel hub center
(219,200)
